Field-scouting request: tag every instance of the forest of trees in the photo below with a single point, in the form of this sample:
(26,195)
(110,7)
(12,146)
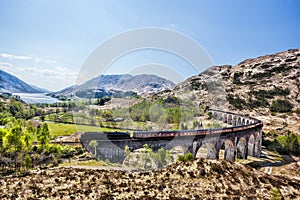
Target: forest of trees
(13,109)
(23,143)
(22,148)
(159,111)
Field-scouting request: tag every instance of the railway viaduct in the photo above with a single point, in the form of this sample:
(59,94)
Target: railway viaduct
(240,140)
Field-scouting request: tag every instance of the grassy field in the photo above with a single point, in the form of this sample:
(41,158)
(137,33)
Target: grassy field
(60,129)
(88,163)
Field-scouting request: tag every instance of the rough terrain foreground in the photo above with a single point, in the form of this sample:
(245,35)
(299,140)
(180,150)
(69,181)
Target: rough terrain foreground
(199,179)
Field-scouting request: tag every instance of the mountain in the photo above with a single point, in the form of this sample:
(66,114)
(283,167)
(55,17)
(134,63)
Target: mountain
(267,87)
(110,84)
(41,89)
(12,84)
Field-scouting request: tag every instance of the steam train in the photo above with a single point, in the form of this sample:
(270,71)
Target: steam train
(179,133)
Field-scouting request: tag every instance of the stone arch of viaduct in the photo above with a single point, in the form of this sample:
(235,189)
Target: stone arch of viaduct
(240,140)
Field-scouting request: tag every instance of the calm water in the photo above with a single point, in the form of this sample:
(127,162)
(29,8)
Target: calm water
(33,98)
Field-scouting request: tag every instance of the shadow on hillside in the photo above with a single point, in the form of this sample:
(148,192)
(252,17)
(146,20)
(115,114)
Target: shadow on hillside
(266,161)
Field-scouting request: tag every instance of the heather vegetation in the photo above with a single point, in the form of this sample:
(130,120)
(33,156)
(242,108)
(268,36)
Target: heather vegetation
(281,106)
(263,99)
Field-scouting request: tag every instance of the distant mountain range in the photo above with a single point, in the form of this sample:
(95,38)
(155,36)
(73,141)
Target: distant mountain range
(102,85)
(12,84)
(110,84)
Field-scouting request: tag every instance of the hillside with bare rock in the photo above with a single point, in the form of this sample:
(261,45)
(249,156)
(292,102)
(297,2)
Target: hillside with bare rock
(267,87)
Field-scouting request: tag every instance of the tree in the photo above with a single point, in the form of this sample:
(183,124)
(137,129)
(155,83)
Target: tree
(28,138)
(291,143)
(147,155)
(16,134)
(94,144)
(16,108)
(177,116)
(3,132)
(13,142)
(43,136)
(30,129)
(161,157)
(127,150)
(27,162)
(8,140)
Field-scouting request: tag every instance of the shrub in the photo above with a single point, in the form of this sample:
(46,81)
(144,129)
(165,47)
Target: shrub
(181,158)
(269,94)
(285,144)
(27,162)
(236,77)
(189,156)
(236,101)
(127,150)
(186,157)
(260,102)
(281,106)
(276,194)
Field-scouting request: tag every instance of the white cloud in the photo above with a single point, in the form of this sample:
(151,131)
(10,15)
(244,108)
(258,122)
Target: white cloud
(29,58)
(59,72)
(46,73)
(39,60)
(11,56)
(51,61)
(6,65)
(22,57)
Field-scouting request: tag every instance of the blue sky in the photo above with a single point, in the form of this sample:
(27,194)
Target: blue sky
(45,42)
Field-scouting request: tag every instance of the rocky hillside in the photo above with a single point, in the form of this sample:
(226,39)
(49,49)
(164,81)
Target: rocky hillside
(199,179)
(12,84)
(267,87)
(144,83)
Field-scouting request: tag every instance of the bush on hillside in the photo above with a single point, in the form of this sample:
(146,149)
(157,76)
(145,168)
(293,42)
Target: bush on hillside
(281,106)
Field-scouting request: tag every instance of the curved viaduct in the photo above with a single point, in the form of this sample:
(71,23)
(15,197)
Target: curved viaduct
(242,139)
